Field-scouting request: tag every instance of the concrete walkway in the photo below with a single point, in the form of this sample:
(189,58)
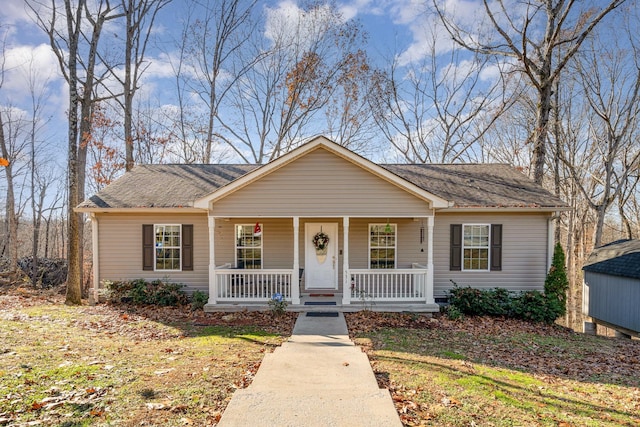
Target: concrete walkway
(317,378)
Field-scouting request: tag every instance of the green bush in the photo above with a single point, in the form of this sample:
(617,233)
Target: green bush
(556,283)
(535,307)
(531,305)
(478,302)
(141,292)
(198,300)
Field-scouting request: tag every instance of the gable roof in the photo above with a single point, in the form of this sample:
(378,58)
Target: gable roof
(194,186)
(316,143)
(619,258)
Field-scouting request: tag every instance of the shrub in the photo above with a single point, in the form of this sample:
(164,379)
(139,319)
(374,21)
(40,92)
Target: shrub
(535,307)
(141,292)
(531,305)
(278,304)
(556,283)
(478,302)
(454,313)
(198,300)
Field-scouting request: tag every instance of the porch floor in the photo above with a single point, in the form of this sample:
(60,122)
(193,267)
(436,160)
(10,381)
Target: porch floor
(318,300)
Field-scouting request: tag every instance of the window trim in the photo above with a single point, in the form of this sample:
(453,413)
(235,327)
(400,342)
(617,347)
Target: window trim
(155,249)
(395,244)
(488,248)
(235,242)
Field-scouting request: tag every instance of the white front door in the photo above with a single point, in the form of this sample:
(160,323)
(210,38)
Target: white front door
(321,266)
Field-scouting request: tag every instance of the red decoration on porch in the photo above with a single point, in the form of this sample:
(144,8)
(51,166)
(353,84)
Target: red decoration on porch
(257,231)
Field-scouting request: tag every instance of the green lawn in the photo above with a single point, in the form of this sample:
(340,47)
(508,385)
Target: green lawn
(77,366)
(492,372)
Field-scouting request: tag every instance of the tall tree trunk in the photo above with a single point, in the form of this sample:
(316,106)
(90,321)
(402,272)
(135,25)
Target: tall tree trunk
(11,222)
(74,293)
(128,89)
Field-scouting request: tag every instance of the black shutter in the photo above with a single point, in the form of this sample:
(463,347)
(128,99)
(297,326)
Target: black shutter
(187,247)
(455,255)
(147,246)
(496,247)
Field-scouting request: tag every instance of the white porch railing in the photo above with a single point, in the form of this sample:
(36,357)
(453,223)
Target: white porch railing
(398,285)
(240,285)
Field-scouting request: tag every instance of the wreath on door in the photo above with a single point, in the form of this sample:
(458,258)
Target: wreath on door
(320,243)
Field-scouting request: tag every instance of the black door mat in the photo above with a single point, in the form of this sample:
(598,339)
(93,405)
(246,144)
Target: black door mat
(323,314)
(319,303)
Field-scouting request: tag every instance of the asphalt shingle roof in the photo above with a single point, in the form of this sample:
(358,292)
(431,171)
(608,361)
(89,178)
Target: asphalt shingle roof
(477,185)
(165,186)
(620,258)
(466,185)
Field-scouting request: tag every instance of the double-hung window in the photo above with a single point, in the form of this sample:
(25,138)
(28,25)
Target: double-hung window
(168,247)
(475,247)
(382,245)
(248,246)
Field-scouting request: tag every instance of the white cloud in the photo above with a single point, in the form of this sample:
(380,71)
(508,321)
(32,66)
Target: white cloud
(13,12)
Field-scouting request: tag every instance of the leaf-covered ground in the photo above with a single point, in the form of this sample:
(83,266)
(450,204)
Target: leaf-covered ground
(497,372)
(107,365)
(128,366)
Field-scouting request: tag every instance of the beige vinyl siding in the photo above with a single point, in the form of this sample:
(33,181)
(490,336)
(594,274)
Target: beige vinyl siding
(120,248)
(524,252)
(320,184)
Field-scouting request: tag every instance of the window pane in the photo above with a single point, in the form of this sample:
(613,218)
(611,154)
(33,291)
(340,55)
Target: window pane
(248,247)
(382,245)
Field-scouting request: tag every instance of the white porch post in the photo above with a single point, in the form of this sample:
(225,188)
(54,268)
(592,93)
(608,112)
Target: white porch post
(295,279)
(213,285)
(429,291)
(93,296)
(346,279)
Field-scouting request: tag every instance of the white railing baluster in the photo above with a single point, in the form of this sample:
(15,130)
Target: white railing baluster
(400,285)
(237,285)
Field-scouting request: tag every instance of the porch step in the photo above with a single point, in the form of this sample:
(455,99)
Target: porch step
(319,303)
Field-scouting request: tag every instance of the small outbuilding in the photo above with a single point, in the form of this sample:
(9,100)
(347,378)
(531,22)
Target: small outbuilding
(612,286)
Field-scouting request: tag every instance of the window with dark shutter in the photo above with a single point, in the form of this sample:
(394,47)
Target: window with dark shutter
(148,240)
(187,247)
(496,247)
(455,256)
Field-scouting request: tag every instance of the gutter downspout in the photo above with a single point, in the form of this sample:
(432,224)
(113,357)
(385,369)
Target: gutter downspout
(93,296)
(551,238)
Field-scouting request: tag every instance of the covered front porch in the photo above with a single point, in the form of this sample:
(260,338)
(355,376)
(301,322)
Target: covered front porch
(374,263)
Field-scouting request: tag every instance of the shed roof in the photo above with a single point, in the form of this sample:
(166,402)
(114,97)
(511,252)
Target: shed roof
(619,258)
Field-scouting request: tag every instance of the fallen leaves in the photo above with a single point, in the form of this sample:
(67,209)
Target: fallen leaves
(498,359)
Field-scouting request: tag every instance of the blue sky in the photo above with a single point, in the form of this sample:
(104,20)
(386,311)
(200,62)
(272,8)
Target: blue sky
(394,26)
(397,28)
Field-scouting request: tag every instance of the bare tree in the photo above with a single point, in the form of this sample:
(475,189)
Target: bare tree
(542,36)
(139,16)
(610,80)
(294,73)
(75,41)
(437,109)
(221,29)
(37,94)
(348,113)
(11,225)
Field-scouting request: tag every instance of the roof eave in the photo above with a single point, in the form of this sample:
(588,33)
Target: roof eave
(549,209)
(187,209)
